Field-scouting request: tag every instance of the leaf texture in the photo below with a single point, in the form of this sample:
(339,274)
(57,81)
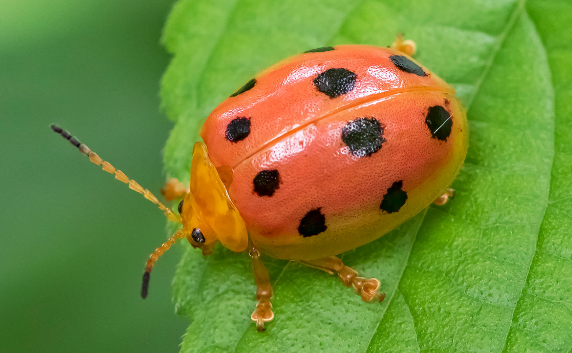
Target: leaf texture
(488,272)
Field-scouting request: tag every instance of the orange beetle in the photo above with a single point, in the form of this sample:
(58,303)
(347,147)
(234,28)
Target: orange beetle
(319,154)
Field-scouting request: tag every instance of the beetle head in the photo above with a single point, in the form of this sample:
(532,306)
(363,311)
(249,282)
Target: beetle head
(208,214)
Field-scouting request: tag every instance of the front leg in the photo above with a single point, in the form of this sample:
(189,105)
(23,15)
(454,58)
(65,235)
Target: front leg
(263,312)
(367,288)
(174,190)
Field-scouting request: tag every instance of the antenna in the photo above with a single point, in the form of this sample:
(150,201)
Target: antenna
(119,175)
(180,234)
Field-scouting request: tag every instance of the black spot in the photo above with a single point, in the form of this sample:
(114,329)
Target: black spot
(394,199)
(439,122)
(404,64)
(364,136)
(180,207)
(238,129)
(266,182)
(198,236)
(319,50)
(335,82)
(314,222)
(248,86)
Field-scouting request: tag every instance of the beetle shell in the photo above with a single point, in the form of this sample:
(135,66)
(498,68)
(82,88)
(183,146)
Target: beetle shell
(334,148)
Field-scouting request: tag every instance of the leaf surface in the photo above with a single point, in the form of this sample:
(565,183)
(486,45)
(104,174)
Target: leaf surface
(490,271)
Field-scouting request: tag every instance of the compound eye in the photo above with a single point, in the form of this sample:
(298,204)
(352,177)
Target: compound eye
(180,207)
(198,236)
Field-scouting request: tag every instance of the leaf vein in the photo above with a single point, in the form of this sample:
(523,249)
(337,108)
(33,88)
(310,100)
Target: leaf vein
(412,317)
(496,49)
(397,286)
(536,249)
(502,37)
(553,301)
(549,253)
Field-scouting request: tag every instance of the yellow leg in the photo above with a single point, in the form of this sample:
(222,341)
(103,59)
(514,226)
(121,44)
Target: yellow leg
(174,190)
(366,288)
(263,312)
(405,46)
(445,196)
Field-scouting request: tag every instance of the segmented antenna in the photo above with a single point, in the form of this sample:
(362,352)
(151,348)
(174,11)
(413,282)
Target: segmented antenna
(180,234)
(119,175)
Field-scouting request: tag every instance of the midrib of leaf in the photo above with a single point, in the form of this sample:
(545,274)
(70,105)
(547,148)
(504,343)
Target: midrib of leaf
(545,333)
(523,11)
(500,41)
(390,297)
(502,37)
(510,24)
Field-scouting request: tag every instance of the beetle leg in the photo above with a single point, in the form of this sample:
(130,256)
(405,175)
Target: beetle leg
(405,46)
(367,288)
(263,312)
(174,189)
(445,196)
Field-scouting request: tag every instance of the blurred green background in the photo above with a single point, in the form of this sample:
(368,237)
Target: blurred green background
(74,241)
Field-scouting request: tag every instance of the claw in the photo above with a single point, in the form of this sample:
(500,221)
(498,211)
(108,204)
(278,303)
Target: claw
(368,289)
(441,200)
(262,314)
(405,46)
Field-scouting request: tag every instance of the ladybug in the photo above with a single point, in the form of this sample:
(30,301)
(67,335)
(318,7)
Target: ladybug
(317,155)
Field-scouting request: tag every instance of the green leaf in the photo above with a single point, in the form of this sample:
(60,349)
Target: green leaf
(490,271)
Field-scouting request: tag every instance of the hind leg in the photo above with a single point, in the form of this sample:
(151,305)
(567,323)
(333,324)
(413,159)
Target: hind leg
(444,198)
(367,288)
